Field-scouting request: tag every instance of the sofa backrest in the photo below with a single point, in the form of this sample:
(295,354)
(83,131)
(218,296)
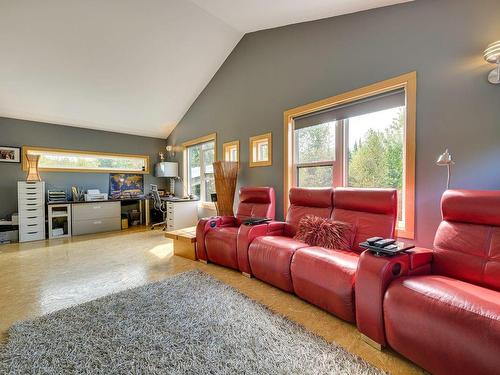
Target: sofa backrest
(307,201)
(467,242)
(373,212)
(256,202)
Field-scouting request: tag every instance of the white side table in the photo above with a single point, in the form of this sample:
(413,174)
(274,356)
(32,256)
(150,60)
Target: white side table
(59,220)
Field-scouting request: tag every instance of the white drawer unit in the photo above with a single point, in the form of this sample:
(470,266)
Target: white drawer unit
(31,207)
(181,214)
(95,217)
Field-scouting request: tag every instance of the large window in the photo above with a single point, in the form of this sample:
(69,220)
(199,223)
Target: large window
(200,155)
(58,160)
(362,139)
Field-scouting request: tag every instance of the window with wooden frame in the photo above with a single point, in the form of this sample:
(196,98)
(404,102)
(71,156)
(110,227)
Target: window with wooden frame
(231,151)
(364,138)
(60,160)
(261,150)
(199,156)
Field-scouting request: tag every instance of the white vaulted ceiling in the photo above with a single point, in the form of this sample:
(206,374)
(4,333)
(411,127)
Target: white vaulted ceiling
(125,65)
(253,15)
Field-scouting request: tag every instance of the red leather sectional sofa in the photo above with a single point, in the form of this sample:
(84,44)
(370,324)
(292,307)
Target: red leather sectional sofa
(441,307)
(321,276)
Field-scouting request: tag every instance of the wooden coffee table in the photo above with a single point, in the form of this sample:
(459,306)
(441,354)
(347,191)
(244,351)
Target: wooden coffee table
(184,242)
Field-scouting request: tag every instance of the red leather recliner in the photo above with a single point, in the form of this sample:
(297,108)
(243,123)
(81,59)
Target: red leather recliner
(270,255)
(216,237)
(444,314)
(326,277)
(321,276)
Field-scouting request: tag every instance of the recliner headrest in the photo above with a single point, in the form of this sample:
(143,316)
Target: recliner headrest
(377,201)
(256,195)
(309,197)
(471,206)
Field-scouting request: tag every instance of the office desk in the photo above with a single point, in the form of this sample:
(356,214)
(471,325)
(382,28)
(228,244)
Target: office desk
(144,208)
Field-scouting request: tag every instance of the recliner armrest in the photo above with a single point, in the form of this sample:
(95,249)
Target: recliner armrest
(373,276)
(247,233)
(205,225)
(420,257)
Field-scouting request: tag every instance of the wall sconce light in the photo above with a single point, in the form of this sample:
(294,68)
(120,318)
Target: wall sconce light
(445,160)
(170,150)
(492,55)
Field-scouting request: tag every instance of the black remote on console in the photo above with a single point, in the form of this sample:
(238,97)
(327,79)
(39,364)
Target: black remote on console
(384,243)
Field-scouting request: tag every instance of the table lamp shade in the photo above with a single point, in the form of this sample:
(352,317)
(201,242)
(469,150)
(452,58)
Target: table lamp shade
(33,174)
(167,169)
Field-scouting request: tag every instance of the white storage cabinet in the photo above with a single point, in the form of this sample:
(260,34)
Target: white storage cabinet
(31,206)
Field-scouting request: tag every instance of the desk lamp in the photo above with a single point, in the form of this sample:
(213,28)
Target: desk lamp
(445,160)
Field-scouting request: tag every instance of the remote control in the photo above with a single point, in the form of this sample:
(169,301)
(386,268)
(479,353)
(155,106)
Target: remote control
(371,241)
(391,247)
(384,243)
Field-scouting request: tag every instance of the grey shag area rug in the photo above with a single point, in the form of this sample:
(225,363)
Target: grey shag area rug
(188,324)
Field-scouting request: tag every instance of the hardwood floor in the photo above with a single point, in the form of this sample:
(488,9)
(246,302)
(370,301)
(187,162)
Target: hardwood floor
(40,277)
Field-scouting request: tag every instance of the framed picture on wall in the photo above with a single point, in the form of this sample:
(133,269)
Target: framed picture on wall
(10,154)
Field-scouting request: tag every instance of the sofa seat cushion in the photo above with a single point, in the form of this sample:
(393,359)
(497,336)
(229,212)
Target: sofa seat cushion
(325,278)
(270,258)
(220,244)
(444,325)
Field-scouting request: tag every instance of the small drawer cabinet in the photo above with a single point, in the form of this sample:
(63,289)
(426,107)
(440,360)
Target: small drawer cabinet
(31,206)
(95,217)
(181,214)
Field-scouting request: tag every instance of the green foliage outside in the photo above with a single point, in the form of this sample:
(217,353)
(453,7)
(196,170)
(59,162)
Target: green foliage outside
(376,160)
(89,162)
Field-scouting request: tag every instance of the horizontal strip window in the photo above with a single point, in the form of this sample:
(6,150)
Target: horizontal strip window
(59,160)
(376,103)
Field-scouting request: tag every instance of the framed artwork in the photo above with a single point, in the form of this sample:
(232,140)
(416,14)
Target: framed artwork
(231,151)
(261,150)
(10,154)
(126,185)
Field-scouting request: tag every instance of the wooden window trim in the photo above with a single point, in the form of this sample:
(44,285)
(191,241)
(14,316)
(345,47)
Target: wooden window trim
(193,142)
(228,145)
(406,81)
(26,149)
(204,139)
(256,138)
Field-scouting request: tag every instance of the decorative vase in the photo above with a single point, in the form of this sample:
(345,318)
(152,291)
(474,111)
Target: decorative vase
(33,174)
(226,175)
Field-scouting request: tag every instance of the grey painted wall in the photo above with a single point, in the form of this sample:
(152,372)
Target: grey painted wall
(18,133)
(275,70)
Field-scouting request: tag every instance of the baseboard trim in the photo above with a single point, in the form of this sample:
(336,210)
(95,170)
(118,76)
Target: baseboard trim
(246,275)
(203,261)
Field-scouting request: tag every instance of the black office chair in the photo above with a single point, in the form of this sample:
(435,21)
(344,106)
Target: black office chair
(159,205)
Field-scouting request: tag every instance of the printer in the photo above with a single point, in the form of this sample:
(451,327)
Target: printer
(94,195)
